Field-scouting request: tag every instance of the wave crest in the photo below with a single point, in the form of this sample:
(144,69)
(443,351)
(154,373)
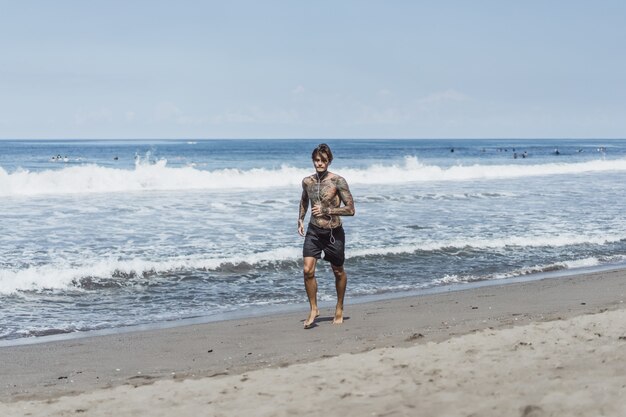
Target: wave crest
(117,273)
(146,176)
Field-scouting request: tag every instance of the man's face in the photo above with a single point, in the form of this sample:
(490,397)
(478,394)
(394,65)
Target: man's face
(320,162)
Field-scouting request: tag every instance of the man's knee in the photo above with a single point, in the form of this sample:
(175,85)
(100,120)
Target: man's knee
(309,271)
(338,270)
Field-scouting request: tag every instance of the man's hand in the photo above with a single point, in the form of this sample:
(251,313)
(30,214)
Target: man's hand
(317,210)
(301,227)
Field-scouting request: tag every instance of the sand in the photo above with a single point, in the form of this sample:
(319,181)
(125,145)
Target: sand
(550,347)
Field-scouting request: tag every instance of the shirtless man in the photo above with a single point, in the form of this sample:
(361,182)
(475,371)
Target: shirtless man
(325,191)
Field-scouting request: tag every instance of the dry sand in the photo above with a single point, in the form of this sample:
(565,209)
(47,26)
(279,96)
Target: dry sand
(574,367)
(550,347)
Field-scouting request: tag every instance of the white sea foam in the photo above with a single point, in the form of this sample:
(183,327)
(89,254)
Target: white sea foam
(496,243)
(62,276)
(415,171)
(571,264)
(91,178)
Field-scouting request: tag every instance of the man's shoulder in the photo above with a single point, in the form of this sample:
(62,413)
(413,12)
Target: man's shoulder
(336,177)
(308,179)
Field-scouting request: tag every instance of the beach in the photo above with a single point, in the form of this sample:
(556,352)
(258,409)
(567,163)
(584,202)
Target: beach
(184,185)
(175,230)
(554,346)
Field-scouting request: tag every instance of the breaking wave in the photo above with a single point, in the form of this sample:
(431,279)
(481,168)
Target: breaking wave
(90,275)
(146,176)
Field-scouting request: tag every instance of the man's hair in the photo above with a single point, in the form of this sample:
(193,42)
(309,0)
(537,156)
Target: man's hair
(323,148)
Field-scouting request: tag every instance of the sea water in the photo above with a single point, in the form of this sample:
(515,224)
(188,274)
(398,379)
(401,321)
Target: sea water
(108,234)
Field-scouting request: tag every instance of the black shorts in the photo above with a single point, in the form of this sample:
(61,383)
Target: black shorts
(318,239)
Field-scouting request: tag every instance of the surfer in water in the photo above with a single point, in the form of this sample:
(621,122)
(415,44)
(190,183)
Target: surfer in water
(325,192)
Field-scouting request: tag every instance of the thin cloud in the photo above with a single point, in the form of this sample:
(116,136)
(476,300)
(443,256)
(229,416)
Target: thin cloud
(440,105)
(166,110)
(444,96)
(130,116)
(257,115)
(169,112)
(95,116)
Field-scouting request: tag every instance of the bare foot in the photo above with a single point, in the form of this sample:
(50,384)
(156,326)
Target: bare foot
(311,319)
(338,315)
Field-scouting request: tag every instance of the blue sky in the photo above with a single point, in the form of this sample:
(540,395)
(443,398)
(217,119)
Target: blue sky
(312,69)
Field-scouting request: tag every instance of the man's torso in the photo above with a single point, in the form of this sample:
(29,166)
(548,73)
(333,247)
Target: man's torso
(324,192)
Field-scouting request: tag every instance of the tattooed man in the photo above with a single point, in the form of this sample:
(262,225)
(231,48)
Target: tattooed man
(326,192)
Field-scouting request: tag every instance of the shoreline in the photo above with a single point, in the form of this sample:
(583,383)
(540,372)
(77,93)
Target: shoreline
(279,309)
(74,366)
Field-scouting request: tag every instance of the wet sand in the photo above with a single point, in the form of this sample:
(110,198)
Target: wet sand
(512,349)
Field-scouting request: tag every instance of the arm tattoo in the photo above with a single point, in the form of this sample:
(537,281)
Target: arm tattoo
(304,203)
(346,198)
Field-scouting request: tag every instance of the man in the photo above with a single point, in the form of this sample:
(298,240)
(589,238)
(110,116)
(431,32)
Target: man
(325,191)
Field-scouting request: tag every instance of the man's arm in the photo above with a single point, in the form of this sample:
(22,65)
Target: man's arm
(304,206)
(346,198)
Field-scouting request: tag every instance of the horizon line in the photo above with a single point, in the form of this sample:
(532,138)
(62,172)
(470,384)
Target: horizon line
(315,138)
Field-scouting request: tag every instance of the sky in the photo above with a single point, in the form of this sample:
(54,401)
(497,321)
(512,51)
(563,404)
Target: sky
(312,69)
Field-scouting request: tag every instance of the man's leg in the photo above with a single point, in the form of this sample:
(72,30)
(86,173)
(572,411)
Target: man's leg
(341,279)
(310,284)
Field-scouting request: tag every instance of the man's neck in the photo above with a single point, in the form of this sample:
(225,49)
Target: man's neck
(321,175)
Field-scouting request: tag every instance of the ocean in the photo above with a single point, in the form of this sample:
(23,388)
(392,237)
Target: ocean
(109,234)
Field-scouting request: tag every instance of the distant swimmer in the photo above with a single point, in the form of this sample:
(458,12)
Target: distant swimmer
(66,159)
(451,149)
(556,151)
(115,158)
(325,192)
(525,154)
